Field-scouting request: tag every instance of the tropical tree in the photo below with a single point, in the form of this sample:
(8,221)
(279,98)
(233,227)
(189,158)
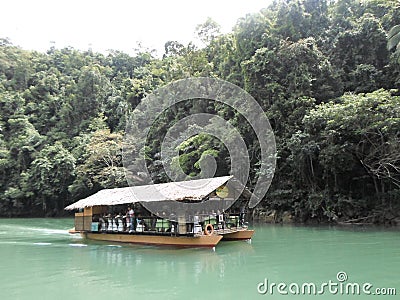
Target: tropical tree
(100,164)
(49,176)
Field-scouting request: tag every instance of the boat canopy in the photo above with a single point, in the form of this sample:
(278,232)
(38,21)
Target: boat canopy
(195,190)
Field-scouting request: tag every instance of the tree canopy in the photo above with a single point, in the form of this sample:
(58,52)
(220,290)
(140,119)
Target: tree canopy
(326,73)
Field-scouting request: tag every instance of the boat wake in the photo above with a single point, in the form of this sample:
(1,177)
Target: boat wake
(39,236)
(23,229)
(49,231)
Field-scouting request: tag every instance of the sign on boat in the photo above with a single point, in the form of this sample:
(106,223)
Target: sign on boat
(194,213)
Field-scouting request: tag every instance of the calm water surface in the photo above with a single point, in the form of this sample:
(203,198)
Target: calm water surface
(40,260)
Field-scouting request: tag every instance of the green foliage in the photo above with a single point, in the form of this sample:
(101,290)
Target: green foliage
(326,73)
(297,20)
(208,31)
(101,162)
(50,175)
(193,153)
(363,45)
(291,70)
(358,145)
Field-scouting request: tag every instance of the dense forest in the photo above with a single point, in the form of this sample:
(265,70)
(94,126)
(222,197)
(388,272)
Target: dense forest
(326,73)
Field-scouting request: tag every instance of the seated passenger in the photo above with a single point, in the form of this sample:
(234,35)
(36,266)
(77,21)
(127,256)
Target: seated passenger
(101,223)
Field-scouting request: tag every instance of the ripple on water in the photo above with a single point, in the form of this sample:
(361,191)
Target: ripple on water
(77,245)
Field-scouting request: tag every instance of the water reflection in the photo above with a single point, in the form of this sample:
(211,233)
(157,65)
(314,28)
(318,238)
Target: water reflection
(136,264)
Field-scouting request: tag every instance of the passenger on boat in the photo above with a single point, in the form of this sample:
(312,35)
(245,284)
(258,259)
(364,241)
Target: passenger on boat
(140,224)
(127,220)
(220,219)
(226,218)
(241,216)
(116,218)
(153,221)
(132,218)
(103,222)
(121,218)
(106,218)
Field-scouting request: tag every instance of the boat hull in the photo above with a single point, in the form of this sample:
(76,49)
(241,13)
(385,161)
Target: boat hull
(157,240)
(238,235)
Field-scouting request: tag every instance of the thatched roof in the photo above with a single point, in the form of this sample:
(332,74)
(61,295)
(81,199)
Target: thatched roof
(183,190)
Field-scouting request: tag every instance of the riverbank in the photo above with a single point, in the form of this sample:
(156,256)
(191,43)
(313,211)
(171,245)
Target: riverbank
(273,216)
(259,216)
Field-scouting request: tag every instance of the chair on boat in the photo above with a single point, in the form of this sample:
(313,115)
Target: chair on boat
(211,220)
(197,228)
(233,221)
(146,223)
(162,225)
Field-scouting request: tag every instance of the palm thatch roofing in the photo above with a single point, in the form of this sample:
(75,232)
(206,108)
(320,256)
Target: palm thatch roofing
(183,190)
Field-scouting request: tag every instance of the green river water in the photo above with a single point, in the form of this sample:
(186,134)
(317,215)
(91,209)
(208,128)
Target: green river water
(40,260)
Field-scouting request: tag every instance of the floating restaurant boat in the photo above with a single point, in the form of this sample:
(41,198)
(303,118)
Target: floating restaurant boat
(194,213)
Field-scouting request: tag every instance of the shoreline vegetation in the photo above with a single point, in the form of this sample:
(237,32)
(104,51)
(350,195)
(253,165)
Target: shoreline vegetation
(326,73)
